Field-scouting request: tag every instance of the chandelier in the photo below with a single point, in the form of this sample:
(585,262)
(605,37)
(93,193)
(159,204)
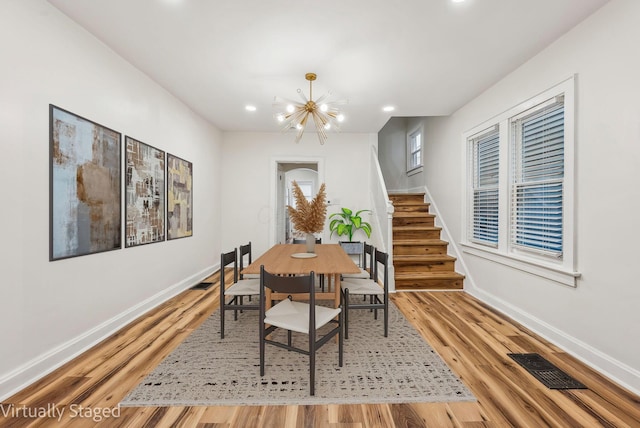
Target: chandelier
(295,115)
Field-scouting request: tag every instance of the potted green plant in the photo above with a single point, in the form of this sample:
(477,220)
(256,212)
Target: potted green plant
(347,223)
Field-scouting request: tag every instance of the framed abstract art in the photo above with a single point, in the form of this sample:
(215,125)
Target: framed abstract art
(144,193)
(84,186)
(179,197)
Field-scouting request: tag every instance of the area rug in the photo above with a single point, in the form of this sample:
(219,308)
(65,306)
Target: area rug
(207,371)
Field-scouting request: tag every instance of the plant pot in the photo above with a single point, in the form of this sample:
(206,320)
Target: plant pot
(352,247)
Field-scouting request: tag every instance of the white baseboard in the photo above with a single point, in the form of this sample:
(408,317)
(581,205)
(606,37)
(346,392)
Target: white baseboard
(622,374)
(35,369)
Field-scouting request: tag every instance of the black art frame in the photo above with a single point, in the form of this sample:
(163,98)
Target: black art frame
(145,197)
(179,197)
(84,186)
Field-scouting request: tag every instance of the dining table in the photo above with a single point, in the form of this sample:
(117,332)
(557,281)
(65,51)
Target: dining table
(292,259)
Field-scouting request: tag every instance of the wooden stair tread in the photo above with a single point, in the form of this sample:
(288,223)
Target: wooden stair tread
(414,227)
(431,287)
(409,214)
(422,258)
(409,203)
(397,242)
(408,199)
(428,275)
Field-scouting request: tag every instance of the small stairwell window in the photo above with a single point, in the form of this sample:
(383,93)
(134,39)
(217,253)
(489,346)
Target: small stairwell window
(414,151)
(520,185)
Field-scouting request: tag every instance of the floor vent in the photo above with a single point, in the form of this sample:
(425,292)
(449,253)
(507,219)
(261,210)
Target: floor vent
(551,376)
(202,286)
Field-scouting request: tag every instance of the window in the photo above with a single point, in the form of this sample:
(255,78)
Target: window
(520,186)
(484,165)
(414,150)
(307,189)
(537,177)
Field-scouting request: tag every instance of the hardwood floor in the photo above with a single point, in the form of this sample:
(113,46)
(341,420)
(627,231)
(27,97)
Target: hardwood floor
(470,337)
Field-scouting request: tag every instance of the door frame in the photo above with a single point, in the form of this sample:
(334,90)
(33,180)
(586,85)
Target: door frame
(277,185)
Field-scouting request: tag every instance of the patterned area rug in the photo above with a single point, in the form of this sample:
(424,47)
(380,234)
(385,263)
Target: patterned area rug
(207,371)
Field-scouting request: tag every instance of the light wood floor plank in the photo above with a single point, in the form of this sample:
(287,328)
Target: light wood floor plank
(377,416)
(465,413)
(435,415)
(473,339)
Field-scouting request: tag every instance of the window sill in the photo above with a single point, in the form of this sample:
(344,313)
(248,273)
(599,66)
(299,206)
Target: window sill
(554,273)
(414,171)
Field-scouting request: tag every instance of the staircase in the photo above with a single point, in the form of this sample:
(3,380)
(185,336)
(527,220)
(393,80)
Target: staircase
(420,257)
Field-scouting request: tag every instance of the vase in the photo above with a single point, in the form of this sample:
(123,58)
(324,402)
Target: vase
(311,243)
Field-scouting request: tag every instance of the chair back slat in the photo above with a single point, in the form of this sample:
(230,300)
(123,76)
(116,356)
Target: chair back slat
(225,260)
(368,252)
(245,250)
(382,258)
(287,284)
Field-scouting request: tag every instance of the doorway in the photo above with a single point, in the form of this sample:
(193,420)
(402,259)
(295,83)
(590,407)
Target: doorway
(309,174)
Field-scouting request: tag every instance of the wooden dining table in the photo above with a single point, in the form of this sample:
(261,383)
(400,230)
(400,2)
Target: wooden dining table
(290,259)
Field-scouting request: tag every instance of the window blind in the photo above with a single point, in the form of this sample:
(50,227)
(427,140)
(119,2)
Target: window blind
(538,176)
(484,227)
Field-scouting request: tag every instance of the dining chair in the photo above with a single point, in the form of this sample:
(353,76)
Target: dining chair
(245,253)
(304,241)
(237,291)
(296,316)
(376,295)
(367,254)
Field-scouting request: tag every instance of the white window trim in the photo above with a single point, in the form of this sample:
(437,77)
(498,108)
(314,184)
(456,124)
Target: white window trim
(562,271)
(539,267)
(411,170)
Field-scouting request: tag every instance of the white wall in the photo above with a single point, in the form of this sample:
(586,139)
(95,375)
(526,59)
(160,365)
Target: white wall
(392,141)
(598,320)
(248,208)
(392,153)
(50,311)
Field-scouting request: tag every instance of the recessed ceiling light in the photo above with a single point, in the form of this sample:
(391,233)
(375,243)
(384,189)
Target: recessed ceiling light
(388,108)
(250,108)
(457,1)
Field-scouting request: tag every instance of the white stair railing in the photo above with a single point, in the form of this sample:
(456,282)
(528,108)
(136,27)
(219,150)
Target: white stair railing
(382,213)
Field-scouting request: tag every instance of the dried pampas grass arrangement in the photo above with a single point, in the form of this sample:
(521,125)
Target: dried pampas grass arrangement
(308,217)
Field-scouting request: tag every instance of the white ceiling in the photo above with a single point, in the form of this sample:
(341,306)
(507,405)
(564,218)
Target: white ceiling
(425,57)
